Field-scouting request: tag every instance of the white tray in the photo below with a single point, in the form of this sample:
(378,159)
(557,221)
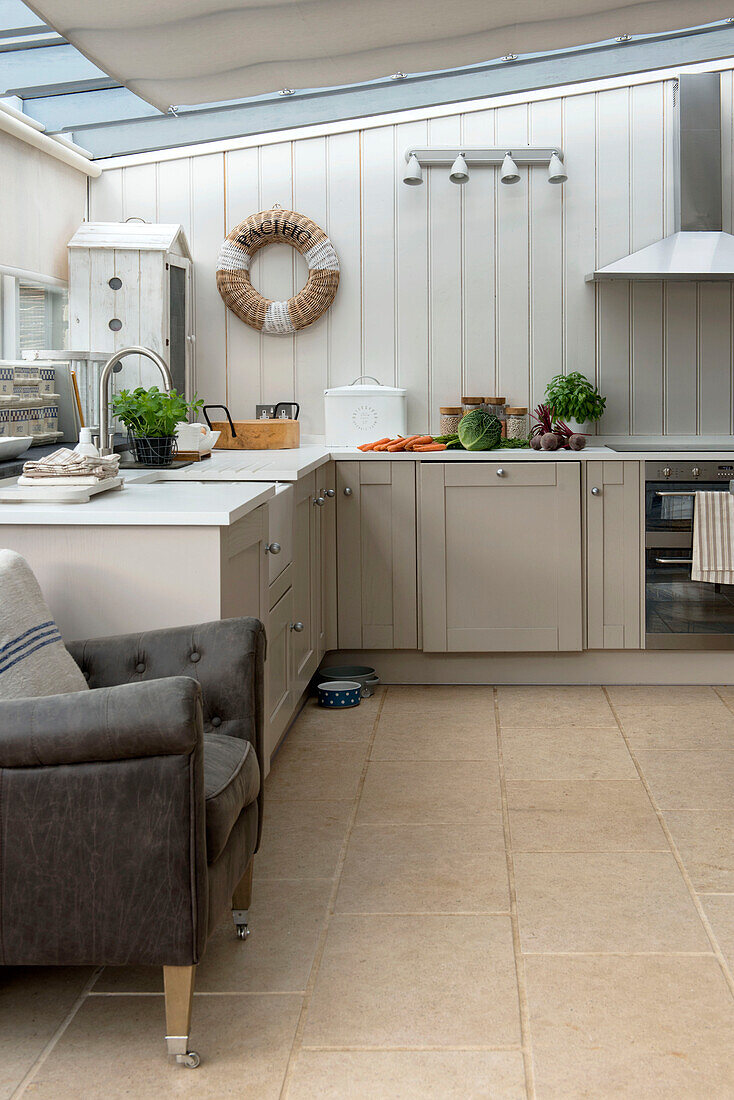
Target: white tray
(47,493)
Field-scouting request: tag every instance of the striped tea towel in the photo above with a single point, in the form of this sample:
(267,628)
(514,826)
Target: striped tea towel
(713,538)
(67,463)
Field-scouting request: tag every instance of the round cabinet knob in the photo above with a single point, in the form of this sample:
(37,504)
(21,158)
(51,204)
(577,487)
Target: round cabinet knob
(327,493)
(696,471)
(273,548)
(319,502)
(347,492)
(667,471)
(500,472)
(596,491)
(298,627)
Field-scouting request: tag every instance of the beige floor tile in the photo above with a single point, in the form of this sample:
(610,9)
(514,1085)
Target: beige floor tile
(440,981)
(631,1028)
(463,737)
(692,780)
(285,922)
(554,706)
(418,792)
(301,839)
(446,699)
(114,1048)
(726,692)
(317,724)
(705,840)
(425,869)
(568,753)
(651,695)
(316,771)
(626,902)
(408,1075)
(34,1001)
(581,816)
(720,912)
(708,725)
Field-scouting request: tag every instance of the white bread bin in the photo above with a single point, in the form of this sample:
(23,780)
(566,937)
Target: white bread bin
(362,413)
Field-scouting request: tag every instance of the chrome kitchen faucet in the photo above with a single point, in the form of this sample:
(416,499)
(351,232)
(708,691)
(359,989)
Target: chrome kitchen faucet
(106,437)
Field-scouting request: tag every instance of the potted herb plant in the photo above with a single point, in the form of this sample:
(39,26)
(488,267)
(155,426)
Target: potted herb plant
(150,417)
(576,400)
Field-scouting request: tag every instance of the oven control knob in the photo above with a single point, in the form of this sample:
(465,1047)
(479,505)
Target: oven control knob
(667,471)
(696,471)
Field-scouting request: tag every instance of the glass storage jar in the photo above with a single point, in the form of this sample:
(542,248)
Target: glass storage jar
(517,422)
(496,406)
(471,404)
(450,417)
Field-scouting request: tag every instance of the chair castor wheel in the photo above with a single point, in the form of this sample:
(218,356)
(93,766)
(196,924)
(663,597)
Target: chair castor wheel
(191,1059)
(243,931)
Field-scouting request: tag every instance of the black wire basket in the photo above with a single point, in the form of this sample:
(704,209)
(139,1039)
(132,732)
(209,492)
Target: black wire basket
(153,450)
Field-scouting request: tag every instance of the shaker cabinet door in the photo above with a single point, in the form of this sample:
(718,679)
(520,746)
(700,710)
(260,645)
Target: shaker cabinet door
(612,522)
(306,576)
(376,555)
(501,556)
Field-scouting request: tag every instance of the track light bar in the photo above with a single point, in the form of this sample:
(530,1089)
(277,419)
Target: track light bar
(460,158)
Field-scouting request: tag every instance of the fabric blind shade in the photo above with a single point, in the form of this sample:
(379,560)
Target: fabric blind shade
(199,51)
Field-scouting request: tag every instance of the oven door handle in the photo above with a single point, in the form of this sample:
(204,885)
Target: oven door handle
(674,561)
(672,493)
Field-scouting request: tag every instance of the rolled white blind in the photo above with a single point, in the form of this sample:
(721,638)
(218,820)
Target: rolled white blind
(198,51)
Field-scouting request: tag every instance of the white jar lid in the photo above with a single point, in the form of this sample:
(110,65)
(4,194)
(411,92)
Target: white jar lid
(358,388)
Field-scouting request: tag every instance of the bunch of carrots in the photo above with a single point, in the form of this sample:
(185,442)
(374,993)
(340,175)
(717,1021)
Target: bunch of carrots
(407,443)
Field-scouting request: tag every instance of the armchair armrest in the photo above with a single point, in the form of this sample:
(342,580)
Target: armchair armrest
(157,718)
(103,832)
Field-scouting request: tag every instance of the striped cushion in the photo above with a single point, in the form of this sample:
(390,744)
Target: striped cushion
(33,658)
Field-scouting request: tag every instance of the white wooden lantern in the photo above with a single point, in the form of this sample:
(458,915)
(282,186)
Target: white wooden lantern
(130,283)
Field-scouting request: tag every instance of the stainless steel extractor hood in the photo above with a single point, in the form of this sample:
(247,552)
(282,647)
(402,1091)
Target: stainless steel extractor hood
(698,249)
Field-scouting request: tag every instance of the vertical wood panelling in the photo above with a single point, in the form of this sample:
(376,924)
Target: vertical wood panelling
(207,233)
(546,258)
(242,168)
(613,241)
(378,254)
(274,273)
(449,290)
(411,303)
(444,277)
(311,344)
(478,284)
(513,268)
(715,359)
(344,319)
(579,213)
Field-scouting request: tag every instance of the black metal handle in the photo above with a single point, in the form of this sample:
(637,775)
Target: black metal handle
(226,413)
(287,405)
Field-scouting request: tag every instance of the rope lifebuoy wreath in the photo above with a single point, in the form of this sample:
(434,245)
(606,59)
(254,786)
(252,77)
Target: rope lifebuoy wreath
(233,271)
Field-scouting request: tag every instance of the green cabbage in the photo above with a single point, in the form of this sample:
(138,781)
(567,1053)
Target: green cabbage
(479,431)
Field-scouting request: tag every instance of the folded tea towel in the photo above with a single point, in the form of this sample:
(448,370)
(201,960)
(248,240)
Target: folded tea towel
(66,463)
(713,538)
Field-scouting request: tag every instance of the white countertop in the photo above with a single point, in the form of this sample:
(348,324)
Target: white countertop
(140,503)
(251,465)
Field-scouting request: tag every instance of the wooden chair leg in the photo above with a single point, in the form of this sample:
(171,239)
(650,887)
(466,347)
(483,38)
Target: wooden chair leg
(241,900)
(178,985)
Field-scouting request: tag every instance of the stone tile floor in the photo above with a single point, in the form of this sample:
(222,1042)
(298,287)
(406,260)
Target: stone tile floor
(462,893)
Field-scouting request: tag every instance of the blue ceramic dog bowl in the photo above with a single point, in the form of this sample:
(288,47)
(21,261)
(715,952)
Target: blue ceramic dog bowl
(340,694)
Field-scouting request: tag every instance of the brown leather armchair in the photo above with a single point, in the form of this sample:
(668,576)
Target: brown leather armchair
(130,814)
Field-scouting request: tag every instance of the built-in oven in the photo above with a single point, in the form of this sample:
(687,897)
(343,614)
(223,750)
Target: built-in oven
(681,613)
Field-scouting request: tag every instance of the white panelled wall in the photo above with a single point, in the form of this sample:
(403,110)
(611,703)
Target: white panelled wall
(448,290)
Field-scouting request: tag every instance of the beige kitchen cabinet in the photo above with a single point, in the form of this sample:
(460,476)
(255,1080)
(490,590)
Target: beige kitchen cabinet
(306,582)
(500,553)
(376,555)
(612,525)
(279,692)
(325,564)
